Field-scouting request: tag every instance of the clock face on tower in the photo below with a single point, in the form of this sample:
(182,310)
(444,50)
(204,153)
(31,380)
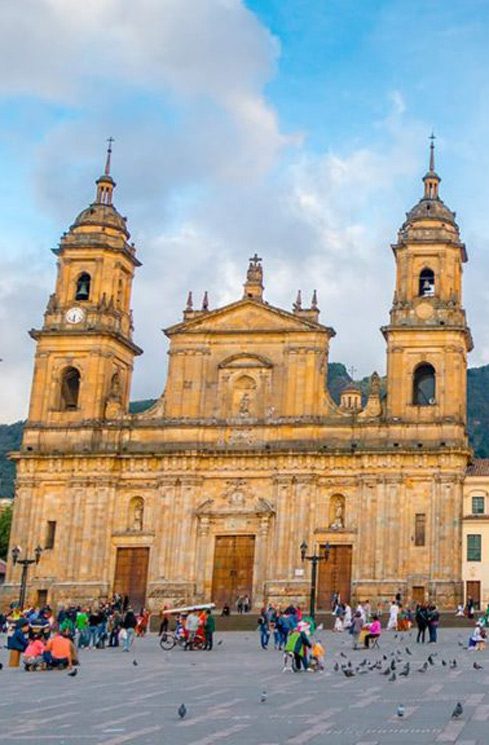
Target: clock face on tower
(75,315)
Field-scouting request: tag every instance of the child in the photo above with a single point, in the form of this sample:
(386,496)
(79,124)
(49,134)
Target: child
(317,656)
(33,655)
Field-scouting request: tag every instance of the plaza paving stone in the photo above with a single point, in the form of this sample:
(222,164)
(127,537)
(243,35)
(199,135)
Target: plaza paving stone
(112,701)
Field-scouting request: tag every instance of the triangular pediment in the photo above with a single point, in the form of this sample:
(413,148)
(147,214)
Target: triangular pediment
(246,315)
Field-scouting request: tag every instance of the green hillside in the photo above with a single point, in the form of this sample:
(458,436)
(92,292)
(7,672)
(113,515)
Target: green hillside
(477,407)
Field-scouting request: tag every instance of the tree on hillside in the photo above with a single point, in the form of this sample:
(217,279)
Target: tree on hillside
(5,525)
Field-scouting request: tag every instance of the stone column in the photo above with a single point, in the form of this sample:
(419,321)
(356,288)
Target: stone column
(261,564)
(202,579)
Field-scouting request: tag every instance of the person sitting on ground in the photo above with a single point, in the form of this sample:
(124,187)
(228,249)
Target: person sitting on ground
(374,631)
(477,641)
(33,654)
(59,651)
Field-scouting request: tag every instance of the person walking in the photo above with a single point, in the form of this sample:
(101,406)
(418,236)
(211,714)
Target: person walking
(129,624)
(264,631)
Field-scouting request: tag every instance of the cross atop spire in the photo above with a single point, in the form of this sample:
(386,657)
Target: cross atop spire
(105,184)
(431,179)
(253,287)
(432,152)
(110,140)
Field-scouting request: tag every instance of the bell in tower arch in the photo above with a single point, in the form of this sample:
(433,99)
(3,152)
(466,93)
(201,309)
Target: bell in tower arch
(83,287)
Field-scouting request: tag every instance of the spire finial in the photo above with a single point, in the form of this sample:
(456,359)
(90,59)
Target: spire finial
(314,302)
(205,301)
(110,140)
(253,287)
(190,301)
(298,301)
(432,152)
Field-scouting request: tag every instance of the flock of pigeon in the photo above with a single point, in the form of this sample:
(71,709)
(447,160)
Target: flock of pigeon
(392,666)
(395,666)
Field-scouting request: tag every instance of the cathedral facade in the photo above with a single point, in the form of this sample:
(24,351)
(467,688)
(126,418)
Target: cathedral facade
(209,494)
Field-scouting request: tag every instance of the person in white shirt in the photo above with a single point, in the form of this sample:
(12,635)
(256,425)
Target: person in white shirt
(393,613)
(191,625)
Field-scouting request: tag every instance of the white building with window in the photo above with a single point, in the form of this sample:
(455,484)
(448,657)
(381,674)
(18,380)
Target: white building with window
(475,533)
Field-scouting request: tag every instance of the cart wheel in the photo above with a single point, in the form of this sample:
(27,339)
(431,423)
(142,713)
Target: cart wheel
(167,641)
(199,642)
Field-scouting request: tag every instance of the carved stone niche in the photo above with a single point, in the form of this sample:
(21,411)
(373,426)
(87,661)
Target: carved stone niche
(337,512)
(238,506)
(244,382)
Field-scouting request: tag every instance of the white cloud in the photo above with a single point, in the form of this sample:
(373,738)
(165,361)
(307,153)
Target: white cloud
(205,174)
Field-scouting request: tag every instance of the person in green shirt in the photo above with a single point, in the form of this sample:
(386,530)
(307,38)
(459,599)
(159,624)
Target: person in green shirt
(209,628)
(81,625)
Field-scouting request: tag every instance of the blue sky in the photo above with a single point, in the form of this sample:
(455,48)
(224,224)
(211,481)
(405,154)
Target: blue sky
(298,129)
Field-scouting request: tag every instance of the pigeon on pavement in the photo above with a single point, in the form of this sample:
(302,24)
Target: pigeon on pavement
(458,711)
(400,710)
(408,651)
(476,666)
(135,663)
(182,711)
(263,697)
(392,677)
(73,672)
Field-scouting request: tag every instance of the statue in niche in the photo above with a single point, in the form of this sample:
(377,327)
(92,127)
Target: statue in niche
(137,514)
(244,391)
(244,405)
(337,513)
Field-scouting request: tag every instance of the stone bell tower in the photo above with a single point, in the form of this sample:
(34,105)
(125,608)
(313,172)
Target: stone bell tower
(428,338)
(84,356)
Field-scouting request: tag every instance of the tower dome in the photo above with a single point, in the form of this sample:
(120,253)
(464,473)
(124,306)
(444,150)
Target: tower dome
(102,213)
(430,211)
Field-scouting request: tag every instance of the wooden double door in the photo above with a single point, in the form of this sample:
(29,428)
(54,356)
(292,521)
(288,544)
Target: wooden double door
(335,576)
(473,590)
(131,575)
(232,577)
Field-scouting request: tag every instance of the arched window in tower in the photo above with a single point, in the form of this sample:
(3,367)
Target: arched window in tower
(424,385)
(427,283)
(83,287)
(70,389)
(136,514)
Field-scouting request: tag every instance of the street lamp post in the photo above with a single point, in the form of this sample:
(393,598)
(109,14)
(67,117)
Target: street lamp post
(25,564)
(314,558)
